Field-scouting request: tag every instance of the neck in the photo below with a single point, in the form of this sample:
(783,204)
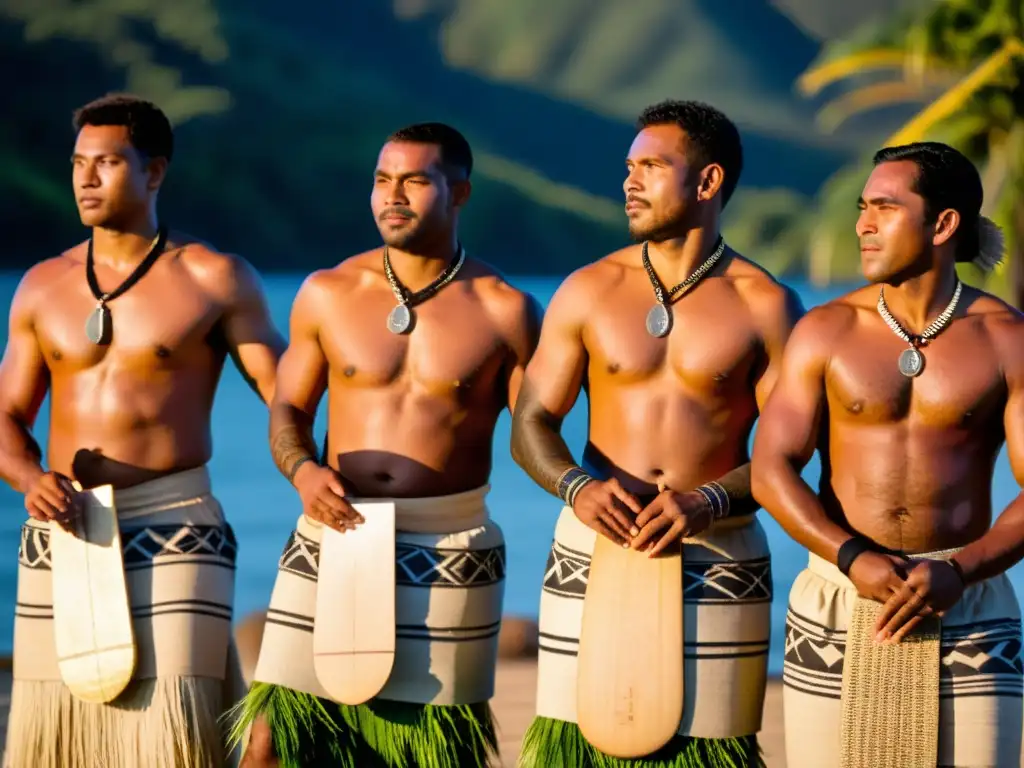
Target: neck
(917,300)
(417,270)
(124,246)
(675,259)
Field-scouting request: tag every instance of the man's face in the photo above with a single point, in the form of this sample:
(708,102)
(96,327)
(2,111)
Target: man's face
(892,228)
(411,201)
(661,184)
(112,182)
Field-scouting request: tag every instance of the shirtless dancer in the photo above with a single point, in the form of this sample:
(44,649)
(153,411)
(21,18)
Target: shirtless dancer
(415,387)
(901,531)
(671,406)
(131,388)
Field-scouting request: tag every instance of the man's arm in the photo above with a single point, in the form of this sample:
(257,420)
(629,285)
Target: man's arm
(301,383)
(24,380)
(1002,546)
(776,312)
(550,386)
(787,435)
(254,343)
(523,336)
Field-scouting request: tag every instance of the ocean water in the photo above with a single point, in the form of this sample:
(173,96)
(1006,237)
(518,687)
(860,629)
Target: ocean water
(263,507)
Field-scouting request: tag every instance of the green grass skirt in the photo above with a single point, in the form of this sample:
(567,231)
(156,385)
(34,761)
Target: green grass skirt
(553,743)
(309,731)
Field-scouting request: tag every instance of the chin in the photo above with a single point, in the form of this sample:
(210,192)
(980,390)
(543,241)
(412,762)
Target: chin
(93,218)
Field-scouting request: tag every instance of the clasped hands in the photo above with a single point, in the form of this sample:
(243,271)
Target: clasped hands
(909,591)
(616,514)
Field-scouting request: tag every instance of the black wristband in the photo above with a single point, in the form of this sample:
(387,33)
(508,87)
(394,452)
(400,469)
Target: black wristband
(570,483)
(959,570)
(851,549)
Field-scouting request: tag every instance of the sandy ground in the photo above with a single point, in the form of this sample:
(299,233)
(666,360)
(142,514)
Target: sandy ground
(513,707)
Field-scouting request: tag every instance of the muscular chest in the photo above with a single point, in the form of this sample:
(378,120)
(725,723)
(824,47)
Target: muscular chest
(155,324)
(453,347)
(711,347)
(960,386)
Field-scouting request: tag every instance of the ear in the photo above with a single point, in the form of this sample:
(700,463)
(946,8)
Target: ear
(461,191)
(946,225)
(156,171)
(710,182)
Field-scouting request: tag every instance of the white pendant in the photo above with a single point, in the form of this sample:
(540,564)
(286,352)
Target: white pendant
(399,319)
(659,321)
(911,362)
(98,326)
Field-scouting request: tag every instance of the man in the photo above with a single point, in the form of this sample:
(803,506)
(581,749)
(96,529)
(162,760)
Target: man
(128,333)
(419,348)
(674,388)
(903,634)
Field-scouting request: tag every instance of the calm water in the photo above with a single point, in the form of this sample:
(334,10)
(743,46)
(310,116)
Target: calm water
(263,507)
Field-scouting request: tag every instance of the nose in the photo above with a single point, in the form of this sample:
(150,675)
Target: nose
(866,224)
(632,183)
(396,194)
(87,176)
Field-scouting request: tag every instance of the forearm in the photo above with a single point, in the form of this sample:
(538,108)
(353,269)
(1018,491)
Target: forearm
(538,447)
(999,549)
(779,488)
(291,438)
(20,455)
(730,495)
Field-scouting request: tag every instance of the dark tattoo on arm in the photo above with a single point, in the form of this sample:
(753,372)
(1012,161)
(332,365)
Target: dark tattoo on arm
(291,442)
(736,483)
(537,444)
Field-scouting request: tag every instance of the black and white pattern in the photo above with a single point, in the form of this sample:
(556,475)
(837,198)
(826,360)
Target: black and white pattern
(145,547)
(746,581)
(982,659)
(416,565)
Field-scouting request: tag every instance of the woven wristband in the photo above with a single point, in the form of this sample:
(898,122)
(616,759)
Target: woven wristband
(570,482)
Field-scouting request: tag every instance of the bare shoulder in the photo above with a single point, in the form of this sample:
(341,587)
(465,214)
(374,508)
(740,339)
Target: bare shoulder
(585,286)
(772,303)
(1003,324)
(511,308)
(818,330)
(225,276)
(43,279)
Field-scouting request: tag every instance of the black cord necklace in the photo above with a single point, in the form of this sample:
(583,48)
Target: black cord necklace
(400,318)
(99,328)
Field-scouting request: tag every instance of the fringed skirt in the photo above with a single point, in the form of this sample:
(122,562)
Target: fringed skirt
(433,711)
(727,593)
(179,560)
(950,694)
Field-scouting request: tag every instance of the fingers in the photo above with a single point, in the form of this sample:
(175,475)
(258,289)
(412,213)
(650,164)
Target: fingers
(649,530)
(910,608)
(614,523)
(628,499)
(599,526)
(891,607)
(647,514)
(906,629)
(672,536)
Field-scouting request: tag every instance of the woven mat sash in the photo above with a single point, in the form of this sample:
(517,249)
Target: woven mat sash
(890,698)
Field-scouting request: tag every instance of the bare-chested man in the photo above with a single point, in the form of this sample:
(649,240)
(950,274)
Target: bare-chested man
(908,388)
(131,382)
(419,348)
(673,394)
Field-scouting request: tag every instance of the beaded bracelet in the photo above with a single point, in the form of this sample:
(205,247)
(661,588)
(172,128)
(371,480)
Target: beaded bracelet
(717,498)
(570,483)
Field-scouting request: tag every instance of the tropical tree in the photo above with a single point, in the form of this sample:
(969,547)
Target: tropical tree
(961,62)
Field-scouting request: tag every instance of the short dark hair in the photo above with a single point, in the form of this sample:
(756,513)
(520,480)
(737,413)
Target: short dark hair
(149,130)
(455,151)
(945,179)
(713,138)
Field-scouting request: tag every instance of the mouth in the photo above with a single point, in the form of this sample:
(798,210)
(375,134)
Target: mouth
(635,205)
(869,249)
(90,202)
(395,218)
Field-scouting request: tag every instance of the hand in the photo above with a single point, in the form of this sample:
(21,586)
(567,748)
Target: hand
(931,588)
(599,505)
(670,518)
(323,498)
(877,576)
(52,496)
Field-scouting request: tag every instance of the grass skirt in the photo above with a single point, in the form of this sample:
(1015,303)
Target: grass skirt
(551,743)
(310,731)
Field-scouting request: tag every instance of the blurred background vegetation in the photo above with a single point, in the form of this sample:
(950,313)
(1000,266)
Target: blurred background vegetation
(280,111)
